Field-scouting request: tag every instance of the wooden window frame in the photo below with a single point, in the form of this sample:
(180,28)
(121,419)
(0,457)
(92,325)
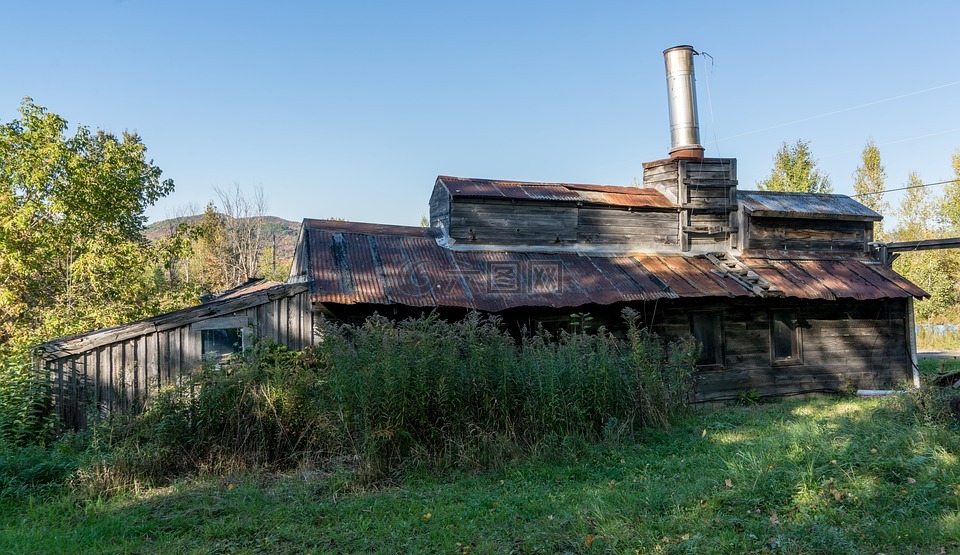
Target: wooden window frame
(796,357)
(239,323)
(719,354)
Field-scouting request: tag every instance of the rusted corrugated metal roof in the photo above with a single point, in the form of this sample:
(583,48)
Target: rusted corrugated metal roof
(805,205)
(362,263)
(833,278)
(634,197)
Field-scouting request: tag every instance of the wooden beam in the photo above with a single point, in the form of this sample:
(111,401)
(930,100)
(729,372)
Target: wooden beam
(924,245)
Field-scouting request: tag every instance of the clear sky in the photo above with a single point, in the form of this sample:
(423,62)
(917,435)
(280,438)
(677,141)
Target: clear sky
(351,109)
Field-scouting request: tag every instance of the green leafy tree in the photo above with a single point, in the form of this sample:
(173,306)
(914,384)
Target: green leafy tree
(72,256)
(935,270)
(950,207)
(868,184)
(916,212)
(795,170)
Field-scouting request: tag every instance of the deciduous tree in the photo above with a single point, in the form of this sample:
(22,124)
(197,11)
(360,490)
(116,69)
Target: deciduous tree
(950,207)
(868,185)
(71,216)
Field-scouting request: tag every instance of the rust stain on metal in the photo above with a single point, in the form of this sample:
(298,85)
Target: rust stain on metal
(366,263)
(608,195)
(849,278)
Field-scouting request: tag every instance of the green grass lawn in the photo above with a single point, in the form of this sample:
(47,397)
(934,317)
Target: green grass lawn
(822,475)
(931,367)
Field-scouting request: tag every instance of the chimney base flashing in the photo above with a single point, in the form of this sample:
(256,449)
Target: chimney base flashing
(687,154)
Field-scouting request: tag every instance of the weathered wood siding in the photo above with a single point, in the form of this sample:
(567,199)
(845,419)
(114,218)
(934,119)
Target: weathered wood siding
(808,234)
(525,222)
(708,196)
(604,225)
(300,267)
(504,222)
(858,344)
(125,375)
(664,176)
(440,206)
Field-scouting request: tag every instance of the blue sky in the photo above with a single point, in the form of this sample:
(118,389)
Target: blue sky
(352,109)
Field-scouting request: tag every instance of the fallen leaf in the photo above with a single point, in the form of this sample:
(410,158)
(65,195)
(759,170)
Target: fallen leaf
(728,482)
(774,519)
(427,516)
(837,495)
(911,481)
(589,540)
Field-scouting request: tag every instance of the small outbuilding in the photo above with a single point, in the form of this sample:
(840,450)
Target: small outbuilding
(123,367)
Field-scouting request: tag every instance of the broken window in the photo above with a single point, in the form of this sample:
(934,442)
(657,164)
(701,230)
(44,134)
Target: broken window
(707,329)
(218,343)
(785,337)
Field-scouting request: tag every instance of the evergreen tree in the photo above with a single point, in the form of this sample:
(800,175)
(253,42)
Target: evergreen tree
(795,170)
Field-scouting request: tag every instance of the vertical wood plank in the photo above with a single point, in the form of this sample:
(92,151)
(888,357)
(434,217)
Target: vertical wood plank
(130,371)
(103,382)
(911,333)
(270,320)
(117,378)
(282,319)
(173,355)
(293,333)
(149,358)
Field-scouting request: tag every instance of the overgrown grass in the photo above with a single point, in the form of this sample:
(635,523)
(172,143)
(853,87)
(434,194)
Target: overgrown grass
(929,338)
(394,397)
(24,415)
(931,367)
(426,436)
(823,475)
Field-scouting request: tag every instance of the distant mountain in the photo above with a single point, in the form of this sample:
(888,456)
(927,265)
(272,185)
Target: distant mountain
(283,231)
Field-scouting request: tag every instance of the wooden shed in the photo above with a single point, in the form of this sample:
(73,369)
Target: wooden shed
(781,289)
(122,368)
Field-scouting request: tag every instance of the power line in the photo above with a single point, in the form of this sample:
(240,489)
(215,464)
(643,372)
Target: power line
(848,109)
(907,187)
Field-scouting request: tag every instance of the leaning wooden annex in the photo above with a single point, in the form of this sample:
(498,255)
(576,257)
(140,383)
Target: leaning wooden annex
(122,368)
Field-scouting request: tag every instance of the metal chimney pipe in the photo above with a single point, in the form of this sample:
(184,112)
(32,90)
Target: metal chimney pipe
(682,98)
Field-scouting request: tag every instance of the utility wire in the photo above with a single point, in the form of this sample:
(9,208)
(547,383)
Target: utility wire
(848,109)
(905,188)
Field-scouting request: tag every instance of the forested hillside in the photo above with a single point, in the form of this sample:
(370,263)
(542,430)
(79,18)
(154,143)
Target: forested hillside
(208,236)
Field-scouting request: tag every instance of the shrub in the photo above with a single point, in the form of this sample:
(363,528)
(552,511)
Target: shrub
(24,414)
(388,396)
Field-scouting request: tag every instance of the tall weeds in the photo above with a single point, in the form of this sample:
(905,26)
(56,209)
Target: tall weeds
(24,410)
(387,396)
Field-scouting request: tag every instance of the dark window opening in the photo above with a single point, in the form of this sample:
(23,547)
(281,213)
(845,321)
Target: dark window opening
(785,337)
(707,329)
(221,342)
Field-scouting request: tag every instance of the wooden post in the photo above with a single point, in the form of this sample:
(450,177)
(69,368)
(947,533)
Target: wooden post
(912,342)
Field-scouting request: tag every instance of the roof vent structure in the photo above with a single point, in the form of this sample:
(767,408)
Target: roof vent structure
(682,98)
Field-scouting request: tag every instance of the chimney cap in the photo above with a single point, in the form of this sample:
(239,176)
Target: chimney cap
(682,47)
